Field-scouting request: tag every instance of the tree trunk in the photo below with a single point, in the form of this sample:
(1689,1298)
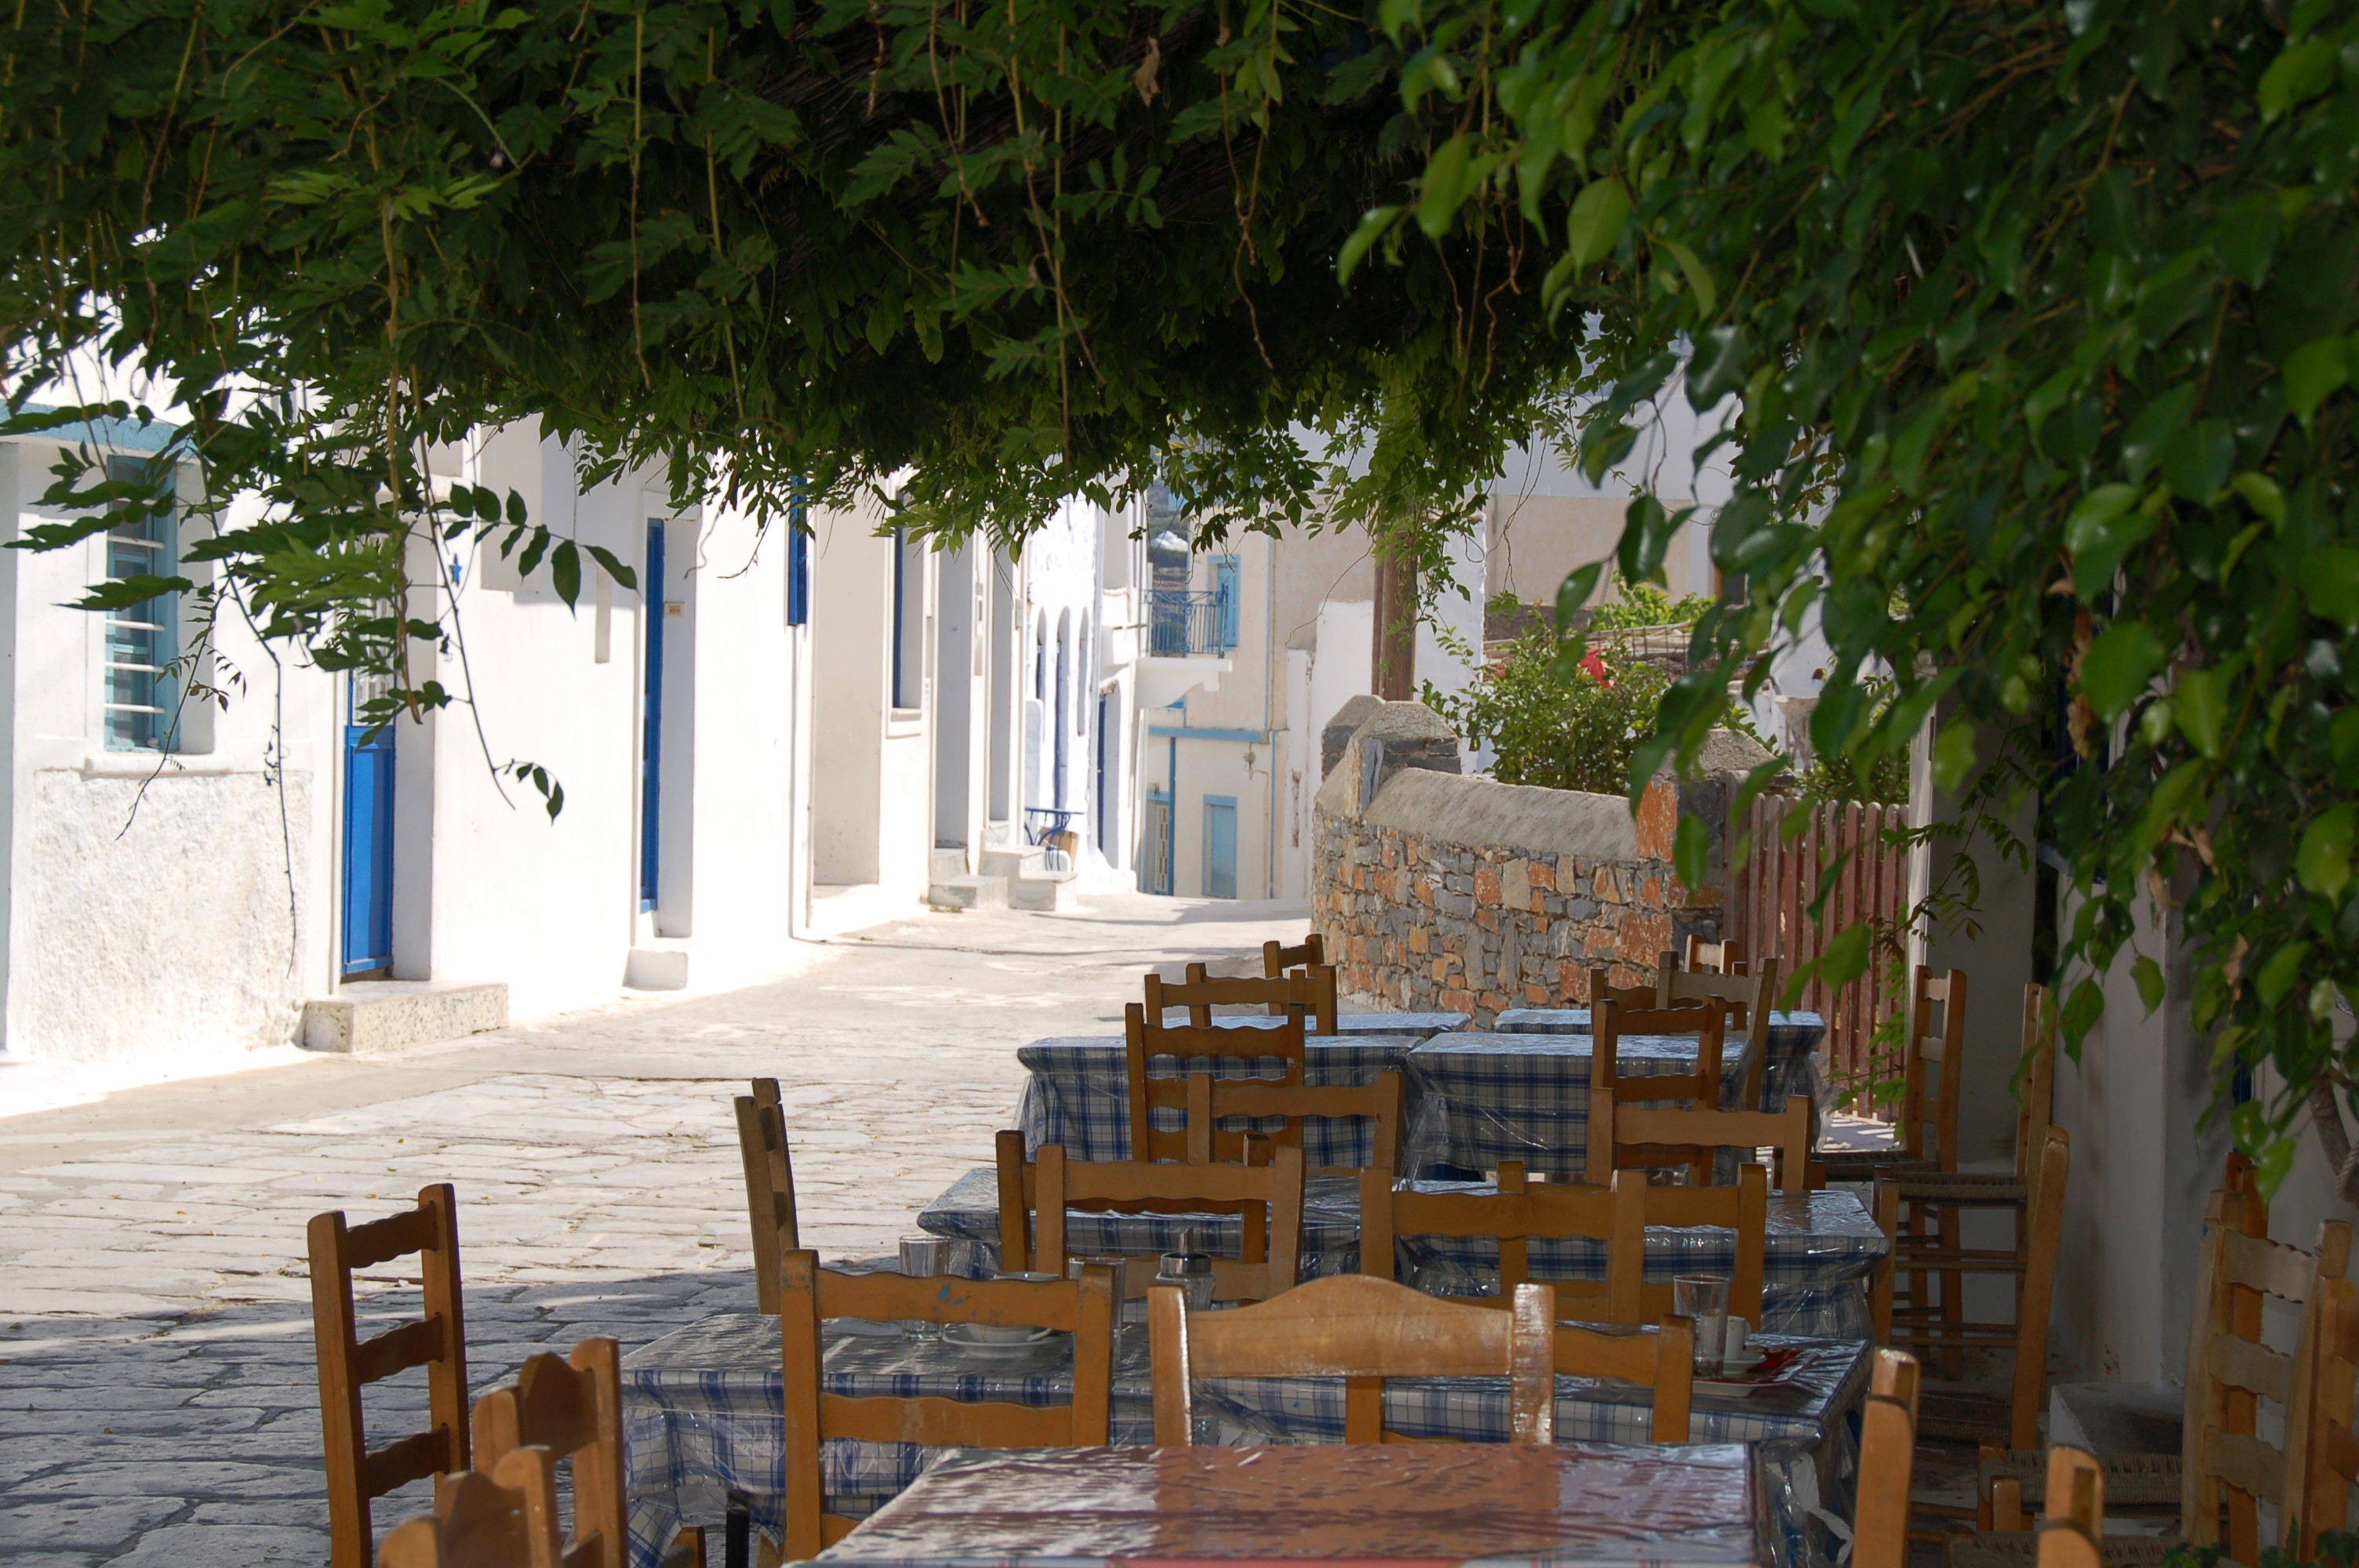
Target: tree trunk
(1396,630)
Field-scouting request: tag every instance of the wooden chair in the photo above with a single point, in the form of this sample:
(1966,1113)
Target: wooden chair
(571,1406)
(1932,1063)
(1019,1201)
(1933,1199)
(1211,1099)
(1608,1023)
(1363,1330)
(1310,990)
(2329,1452)
(1742,1208)
(504,1519)
(1747,997)
(1271,1259)
(1649,1128)
(1887,1454)
(1276,959)
(2072,1535)
(2229,1369)
(1960,1418)
(1083,1308)
(1515,1214)
(1704,958)
(438,1342)
(1603,988)
(1662,1360)
(1146,1038)
(769,1187)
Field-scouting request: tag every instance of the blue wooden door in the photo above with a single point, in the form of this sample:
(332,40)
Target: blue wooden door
(1219,846)
(1224,599)
(368,848)
(651,598)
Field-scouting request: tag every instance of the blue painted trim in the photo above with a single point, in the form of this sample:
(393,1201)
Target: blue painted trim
(1182,732)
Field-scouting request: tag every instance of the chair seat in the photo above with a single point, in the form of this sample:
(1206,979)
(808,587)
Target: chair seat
(2132,1480)
(2020,1547)
(1962,1187)
(1859,1164)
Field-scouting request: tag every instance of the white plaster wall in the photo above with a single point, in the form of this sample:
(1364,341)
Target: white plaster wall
(850,579)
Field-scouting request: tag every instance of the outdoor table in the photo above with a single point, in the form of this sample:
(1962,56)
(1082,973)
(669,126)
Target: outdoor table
(1079,1093)
(1687,1507)
(1822,1247)
(1419,1023)
(1478,1098)
(704,1411)
(1794,1041)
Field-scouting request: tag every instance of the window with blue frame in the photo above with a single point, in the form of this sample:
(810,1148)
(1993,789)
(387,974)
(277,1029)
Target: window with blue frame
(797,565)
(1225,601)
(909,621)
(141,694)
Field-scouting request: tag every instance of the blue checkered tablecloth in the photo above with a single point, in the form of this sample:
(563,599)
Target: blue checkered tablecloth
(1476,1099)
(1079,1093)
(1821,1248)
(703,1414)
(1794,1040)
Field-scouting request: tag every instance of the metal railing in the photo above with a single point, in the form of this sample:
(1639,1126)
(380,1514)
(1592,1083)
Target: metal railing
(1183,622)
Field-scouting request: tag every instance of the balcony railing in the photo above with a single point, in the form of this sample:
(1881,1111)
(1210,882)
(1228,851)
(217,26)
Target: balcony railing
(1183,622)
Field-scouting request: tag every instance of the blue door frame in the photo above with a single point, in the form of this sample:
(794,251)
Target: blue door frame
(368,847)
(651,597)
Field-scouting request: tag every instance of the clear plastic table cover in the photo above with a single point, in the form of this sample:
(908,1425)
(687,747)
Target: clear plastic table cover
(1795,1065)
(1419,1023)
(1821,1248)
(1079,1093)
(1683,1508)
(704,1414)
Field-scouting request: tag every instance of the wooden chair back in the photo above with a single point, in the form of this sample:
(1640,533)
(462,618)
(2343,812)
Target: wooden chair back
(1144,1037)
(1661,1358)
(1934,1070)
(438,1342)
(1742,1208)
(1608,1023)
(1019,1204)
(1649,1128)
(503,1520)
(1748,998)
(1275,959)
(1310,990)
(571,1406)
(1713,957)
(1887,1456)
(1603,988)
(2035,1099)
(1513,1215)
(1083,1308)
(769,1187)
(1363,1330)
(2227,1470)
(1211,1099)
(2331,1450)
(2072,1536)
(1271,1251)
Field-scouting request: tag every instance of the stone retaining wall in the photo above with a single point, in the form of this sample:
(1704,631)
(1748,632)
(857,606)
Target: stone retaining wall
(1438,892)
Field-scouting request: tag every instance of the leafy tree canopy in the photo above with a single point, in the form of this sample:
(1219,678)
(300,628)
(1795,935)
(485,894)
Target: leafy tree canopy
(2040,319)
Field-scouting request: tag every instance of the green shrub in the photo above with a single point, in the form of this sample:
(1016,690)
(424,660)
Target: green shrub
(1644,604)
(1562,732)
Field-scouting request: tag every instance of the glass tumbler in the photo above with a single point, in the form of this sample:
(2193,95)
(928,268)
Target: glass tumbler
(1703,1301)
(923,1256)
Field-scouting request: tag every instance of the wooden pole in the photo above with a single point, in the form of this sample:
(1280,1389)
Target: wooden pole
(1395,657)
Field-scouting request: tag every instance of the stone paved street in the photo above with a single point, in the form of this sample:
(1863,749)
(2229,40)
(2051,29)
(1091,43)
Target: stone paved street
(157,1401)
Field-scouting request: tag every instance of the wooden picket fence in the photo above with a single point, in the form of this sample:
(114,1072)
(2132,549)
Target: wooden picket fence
(1770,912)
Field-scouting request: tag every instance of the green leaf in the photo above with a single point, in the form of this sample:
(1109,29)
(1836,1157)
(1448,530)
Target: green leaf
(2118,665)
(1646,531)
(613,568)
(2197,467)
(1690,849)
(2100,532)
(2159,426)
(2322,865)
(565,571)
(1594,226)
(2081,1011)
(2261,494)
(1375,225)
(2148,975)
(2201,705)
(2313,372)
(2330,584)
(1953,756)
(1721,365)
(1845,957)
(123,593)
(1448,177)
(2302,72)
(1575,592)
(2277,976)
(1699,276)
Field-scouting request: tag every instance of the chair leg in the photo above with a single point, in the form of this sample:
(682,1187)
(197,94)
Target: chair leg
(1953,1289)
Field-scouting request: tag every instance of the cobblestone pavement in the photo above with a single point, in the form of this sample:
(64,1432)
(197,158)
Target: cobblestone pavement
(158,1398)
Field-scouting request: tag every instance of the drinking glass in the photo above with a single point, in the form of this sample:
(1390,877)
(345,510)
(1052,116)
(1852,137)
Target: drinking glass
(1705,1302)
(923,1256)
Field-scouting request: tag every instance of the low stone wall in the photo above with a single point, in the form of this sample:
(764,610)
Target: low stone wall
(1438,892)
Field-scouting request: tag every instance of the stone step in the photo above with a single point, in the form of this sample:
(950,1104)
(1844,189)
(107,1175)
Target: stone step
(1048,890)
(949,861)
(969,892)
(382,1015)
(1011,861)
